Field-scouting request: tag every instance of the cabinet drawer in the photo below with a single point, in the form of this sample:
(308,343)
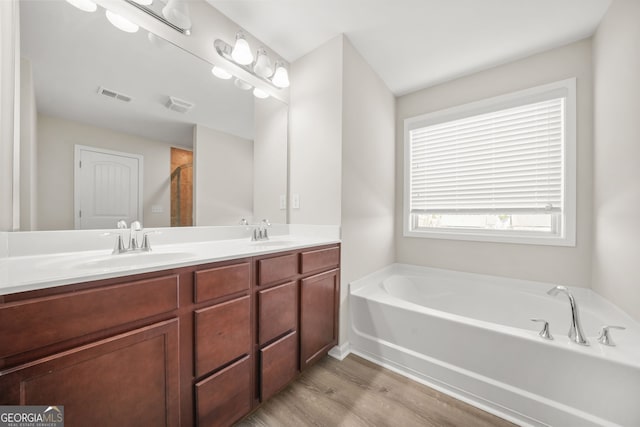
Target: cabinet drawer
(271,270)
(278,365)
(220,281)
(277,311)
(57,318)
(223,333)
(321,259)
(224,397)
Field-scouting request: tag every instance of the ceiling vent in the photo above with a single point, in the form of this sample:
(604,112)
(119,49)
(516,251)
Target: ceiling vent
(113,94)
(179,105)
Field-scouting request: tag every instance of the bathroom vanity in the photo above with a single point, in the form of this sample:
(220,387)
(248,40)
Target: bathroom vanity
(202,344)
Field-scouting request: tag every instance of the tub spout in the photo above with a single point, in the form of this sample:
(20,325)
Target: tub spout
(575,331)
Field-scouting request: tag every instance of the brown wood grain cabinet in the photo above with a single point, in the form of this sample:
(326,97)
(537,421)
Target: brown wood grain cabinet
(194,346)
(318,315)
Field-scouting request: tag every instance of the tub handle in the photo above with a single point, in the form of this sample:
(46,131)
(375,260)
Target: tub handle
(605,336)
(544,333)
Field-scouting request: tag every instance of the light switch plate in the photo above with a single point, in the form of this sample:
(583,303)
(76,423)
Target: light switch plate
(283,202)
(296,201)
(157,209)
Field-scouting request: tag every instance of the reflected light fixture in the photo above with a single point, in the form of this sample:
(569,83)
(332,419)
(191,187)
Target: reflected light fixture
(85,5)
(221,73)
(281,76)
(259,93)
(177,12)
(263,66)
(241,84)
(241,52)
(144,2)
(121,23)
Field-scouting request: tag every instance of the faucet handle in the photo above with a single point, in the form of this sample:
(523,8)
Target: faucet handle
(122,224)
(146,245)
(605,336)
(545,332)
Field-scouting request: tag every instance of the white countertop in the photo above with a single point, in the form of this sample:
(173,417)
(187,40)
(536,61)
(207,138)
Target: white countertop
(26,273)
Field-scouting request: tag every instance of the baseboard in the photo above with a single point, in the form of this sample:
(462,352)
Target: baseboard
(340,352)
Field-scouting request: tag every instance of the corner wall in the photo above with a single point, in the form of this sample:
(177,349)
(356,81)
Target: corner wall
(562,265)
(616,49)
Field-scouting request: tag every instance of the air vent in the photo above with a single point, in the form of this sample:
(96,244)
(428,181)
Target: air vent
(113,94)
(178,105)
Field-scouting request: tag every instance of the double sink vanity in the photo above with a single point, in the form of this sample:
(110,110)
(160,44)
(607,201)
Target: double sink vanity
(196,333)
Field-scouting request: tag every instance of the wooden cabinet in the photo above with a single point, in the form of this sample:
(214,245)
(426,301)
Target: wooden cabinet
(319,296)
(200,345)
(130,379)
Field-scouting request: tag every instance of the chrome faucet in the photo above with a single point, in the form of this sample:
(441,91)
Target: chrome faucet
(134,244)
(575,331)
(260,231)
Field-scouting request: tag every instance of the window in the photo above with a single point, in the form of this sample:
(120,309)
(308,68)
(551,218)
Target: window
(501,169)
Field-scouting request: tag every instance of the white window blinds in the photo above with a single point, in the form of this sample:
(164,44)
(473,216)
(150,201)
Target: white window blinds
(507,161)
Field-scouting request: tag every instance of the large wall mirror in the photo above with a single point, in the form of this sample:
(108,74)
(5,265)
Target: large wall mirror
(127,125)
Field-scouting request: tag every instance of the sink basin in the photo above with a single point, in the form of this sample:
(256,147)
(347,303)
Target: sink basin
(270,243)
(130,260)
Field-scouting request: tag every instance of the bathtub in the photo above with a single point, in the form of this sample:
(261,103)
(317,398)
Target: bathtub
(470,336)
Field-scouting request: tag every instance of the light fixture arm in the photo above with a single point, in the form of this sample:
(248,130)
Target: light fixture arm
(224,49)
(160,18)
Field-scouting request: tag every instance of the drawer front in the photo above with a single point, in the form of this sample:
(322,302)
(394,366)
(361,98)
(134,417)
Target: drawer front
(276,269)
(221,281)
(277,311)
(278,365)
(224,397)
(73,315)
(321,259)
(223,333)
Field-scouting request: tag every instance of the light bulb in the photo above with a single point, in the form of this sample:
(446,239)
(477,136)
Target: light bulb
(259,93)
(241,52)
(263,66)
(241,84)
(121,23)
(281,76)
(144,2)
(221,73)
(85,5)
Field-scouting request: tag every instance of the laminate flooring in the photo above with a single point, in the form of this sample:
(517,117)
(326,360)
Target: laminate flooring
(356,392)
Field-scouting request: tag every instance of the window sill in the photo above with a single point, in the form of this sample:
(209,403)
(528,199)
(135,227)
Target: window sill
(494,237)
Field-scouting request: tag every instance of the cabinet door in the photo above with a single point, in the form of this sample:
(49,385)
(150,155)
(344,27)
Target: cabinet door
(318,316)
(278,365)
(225,396)
(223,333)
(277,311)
(130,379)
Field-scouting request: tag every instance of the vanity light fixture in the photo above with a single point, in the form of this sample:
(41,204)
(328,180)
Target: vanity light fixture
(121,23)
(241,52)
(221,73)
(144,2)
(85,5)
(259,93)
(177,12)
(262,67)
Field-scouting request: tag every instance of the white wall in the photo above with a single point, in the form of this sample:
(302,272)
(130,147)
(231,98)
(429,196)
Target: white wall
(315,130)
(56,140)
(368,175)
(223,178)
(28,149)
(270,160)
(566,265)
(616,250)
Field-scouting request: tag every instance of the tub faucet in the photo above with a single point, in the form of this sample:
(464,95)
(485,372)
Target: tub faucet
(575,331)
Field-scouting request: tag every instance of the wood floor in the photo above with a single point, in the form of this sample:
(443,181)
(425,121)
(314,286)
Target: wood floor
(356,392)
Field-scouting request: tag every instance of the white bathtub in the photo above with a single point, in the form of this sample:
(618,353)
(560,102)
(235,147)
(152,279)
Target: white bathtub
(470,336)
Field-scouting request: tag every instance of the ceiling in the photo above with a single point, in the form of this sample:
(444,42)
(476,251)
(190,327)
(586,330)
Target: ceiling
(73,53)
(413,44)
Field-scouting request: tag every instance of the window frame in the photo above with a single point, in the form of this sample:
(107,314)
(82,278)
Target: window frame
(567,237)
